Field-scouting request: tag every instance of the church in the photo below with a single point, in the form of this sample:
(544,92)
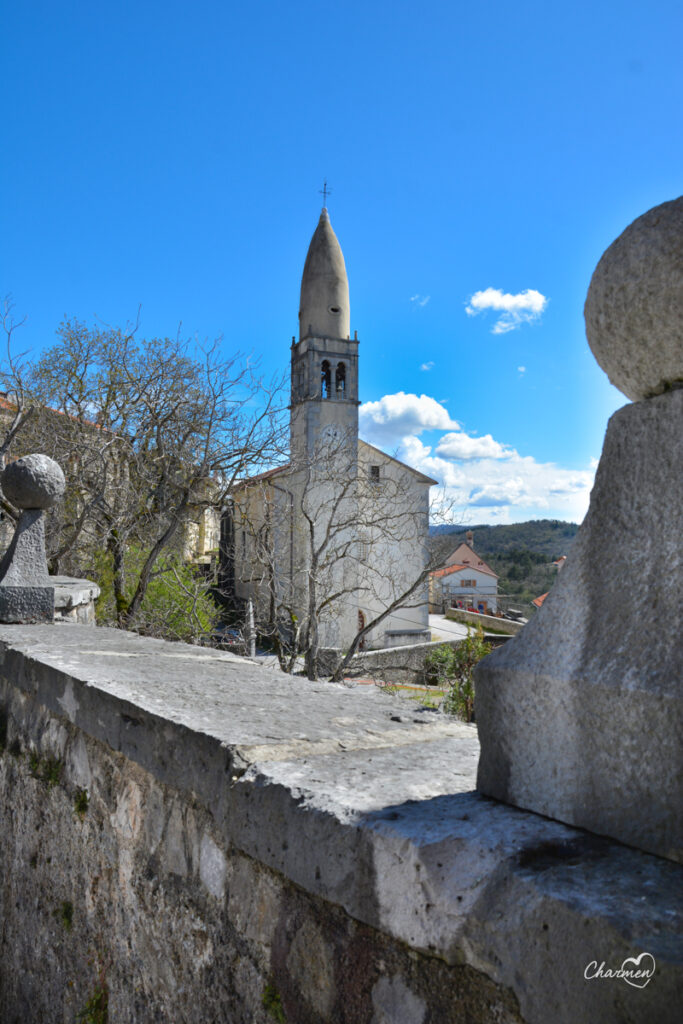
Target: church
(335,542)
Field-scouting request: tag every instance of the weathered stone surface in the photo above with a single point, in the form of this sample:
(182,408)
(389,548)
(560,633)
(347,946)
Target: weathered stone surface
(337,819)
(581,716)
(394,1003)
(634,308)
(27,604)
(75,599)
(34,481)
(24,563)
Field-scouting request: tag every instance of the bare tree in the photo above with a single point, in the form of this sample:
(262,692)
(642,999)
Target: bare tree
(12,375)
(325,538)
(151,434)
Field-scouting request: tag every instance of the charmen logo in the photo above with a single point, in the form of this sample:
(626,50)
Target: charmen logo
(635,970)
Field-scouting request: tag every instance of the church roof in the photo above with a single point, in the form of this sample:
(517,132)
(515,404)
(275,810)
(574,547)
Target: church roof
(403,465)
(287,468)
(247,481)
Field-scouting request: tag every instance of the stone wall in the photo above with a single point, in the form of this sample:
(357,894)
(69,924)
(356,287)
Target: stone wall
(193,838)
(396,664)
(485,621)
(137,895)
(404,664)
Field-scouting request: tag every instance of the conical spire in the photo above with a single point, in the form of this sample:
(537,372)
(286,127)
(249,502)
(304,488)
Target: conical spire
(324,306)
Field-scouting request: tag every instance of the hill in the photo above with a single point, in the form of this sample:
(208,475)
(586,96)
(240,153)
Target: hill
(548,537)
(521,553)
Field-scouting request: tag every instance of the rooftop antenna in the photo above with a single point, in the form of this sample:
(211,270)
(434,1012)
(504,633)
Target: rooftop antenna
(325,192)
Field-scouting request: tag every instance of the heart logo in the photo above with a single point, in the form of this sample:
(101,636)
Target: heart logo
(644,964)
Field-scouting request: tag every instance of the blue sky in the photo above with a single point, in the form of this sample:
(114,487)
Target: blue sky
(480,156)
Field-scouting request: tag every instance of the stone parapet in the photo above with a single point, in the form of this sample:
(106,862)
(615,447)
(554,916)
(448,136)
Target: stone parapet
(203,839)
(75,600)
(581,717)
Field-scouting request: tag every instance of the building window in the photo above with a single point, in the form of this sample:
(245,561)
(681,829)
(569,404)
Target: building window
(326,379)
(340,380)
(373,474)
(468,583)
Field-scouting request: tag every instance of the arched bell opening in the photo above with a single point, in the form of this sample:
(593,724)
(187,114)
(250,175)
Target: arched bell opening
(340,380)
(326,379)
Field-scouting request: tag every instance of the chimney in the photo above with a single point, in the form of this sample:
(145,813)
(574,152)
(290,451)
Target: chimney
(469,537)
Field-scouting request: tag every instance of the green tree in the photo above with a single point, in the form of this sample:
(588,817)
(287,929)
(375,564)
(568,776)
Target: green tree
(177,604)
(454,667)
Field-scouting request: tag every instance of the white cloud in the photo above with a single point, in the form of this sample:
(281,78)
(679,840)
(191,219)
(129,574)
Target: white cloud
(521,369)
(394,417)
(462,446)
(522,308)
(420,300)
(427,366)
(487,481)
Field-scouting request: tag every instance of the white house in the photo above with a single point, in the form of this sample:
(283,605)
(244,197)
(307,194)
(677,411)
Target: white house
(465,581)
(461,586)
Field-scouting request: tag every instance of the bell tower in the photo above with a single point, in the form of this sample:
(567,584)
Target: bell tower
(324,396)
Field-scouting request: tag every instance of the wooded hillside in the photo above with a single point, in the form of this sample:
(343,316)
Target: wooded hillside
(521,553)
(548,537)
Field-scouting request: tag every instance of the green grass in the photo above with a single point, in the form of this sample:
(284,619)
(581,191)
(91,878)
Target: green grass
(47,769)
(81,802)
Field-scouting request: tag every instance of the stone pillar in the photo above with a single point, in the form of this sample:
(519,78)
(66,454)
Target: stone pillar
(580,717)
(34,484)
(27,592)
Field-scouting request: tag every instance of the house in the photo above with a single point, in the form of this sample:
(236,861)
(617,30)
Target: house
(465,581)
(83,446)
(461,586)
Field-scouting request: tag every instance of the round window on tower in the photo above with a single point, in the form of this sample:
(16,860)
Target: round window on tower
(334,309)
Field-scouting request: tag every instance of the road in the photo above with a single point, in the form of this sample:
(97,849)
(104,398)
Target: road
(446,629)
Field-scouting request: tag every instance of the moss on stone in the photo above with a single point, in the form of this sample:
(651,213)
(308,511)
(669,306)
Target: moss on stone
(81,801)
(96,1010)
(273,1003)
(47,769)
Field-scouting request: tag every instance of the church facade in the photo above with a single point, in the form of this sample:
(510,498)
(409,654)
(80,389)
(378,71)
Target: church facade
(335,541)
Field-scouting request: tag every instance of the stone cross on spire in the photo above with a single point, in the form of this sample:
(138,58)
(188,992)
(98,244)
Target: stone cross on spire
(325,192)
